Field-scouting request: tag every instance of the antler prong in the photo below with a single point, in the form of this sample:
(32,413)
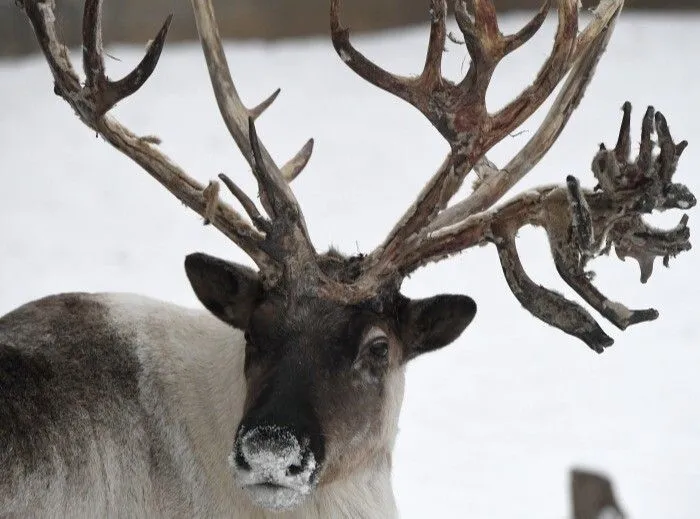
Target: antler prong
(104,93)
(257,111)
(135,79)
(680,148)
(476,20)
(270,193)
(432,70)
(581,219)
(647,144)
(667,156)
(547,305)
(623,148)
(275,194)
(293,168)
(515,41)
(258,220)
(93,61)
(363,67)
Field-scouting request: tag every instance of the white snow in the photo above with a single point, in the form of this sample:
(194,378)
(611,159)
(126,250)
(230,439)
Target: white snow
(495,420)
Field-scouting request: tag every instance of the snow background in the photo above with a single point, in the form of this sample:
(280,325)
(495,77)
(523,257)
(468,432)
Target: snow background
(492,424)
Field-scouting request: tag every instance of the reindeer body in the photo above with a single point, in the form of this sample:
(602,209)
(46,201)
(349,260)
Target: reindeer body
(119,405)
(122,406)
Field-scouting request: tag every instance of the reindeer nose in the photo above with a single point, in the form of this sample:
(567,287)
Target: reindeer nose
(274,453)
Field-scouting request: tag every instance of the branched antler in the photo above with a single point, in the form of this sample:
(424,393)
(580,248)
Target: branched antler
(458,110)
(652,178)
(580,224)
(92,100)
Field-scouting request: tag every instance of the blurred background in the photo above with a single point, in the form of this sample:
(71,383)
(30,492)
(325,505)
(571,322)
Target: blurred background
(136,21)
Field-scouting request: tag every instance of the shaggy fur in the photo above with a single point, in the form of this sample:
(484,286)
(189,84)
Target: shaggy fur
(116,405)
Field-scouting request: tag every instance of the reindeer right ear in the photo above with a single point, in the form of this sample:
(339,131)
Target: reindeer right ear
(227,290)
(433,323)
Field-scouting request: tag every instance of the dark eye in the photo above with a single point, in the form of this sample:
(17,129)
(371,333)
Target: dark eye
(249,344)
(379,347)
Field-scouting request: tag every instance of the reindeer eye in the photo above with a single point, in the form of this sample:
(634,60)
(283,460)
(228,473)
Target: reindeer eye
(249,344)
(379,347)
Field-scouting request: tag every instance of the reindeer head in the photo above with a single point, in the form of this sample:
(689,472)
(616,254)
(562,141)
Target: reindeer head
(328,336)
(324,377)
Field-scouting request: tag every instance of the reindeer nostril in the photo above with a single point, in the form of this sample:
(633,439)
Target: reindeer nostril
(240,461)
(294,470)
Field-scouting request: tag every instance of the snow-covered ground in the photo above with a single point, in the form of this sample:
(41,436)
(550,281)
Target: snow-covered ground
(492,424)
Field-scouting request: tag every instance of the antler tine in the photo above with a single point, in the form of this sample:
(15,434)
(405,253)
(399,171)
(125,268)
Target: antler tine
(514,41)
(262,223)
(234,113)
(647,144)
(477,21)
(257,111)
(340,36)
(486,45)
(108,93)
(276,197)
(623,148)
(93,61)
(296,164)
(432,70)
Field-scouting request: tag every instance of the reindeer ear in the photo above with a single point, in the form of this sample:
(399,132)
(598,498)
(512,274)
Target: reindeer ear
(430,324)
(227,290)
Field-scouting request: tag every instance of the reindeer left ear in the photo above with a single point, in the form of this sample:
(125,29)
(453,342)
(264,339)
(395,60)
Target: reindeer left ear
(430,324)
(227,290)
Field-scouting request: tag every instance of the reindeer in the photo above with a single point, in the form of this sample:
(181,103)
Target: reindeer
(282,398)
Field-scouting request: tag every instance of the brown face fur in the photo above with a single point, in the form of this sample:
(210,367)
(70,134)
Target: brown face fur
(329,374)
(323,368)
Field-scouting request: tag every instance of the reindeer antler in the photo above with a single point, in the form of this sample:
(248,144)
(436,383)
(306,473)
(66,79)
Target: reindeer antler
(581,224)
(273,245)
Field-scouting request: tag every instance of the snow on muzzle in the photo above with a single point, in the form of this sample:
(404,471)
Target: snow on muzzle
(275,467)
